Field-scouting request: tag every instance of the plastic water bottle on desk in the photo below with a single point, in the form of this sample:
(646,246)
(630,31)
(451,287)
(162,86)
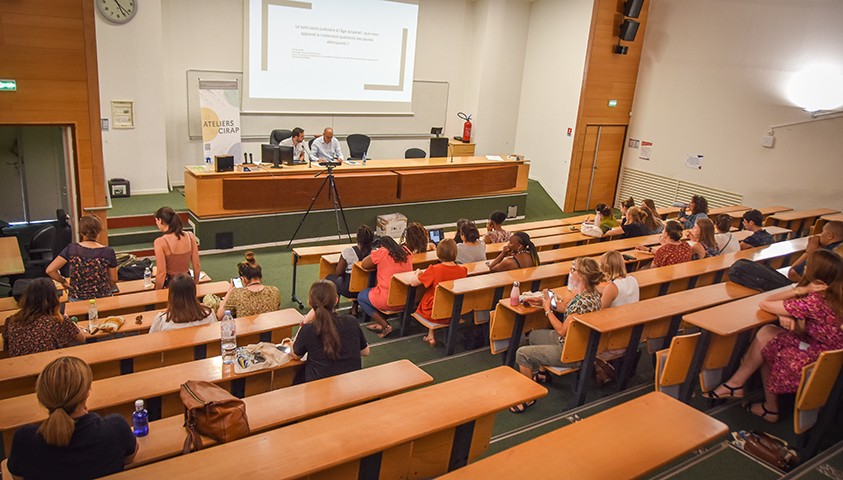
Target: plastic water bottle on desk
(515,294)
(228,338)
(93,315)
(140,420)
(364,158)
(147,277)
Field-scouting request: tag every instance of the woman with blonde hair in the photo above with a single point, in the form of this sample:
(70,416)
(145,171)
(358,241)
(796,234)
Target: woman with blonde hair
(651,217)
(71,443)
(183,307)
(545,346)
(633,226)
(39,326)
(334,344)
(617,287)
(253,297)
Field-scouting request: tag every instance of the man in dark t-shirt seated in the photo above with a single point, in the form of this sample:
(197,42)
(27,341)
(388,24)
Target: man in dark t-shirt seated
(753,221)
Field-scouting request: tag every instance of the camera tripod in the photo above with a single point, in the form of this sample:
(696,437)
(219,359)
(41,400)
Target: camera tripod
(334,196)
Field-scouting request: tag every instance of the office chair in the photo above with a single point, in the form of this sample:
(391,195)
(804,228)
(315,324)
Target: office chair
(357,145)
(64,236)
(415,153)
(310,143)
(278,136)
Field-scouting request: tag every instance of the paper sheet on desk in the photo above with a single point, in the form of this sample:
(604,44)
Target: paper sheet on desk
(496,158)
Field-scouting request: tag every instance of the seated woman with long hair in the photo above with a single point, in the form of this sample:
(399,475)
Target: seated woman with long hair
(617,288)
(606,217)
(446,269)
(520,252)
(387,260)
(93,266)
(699,209)
(702,241)
(183,308)
(810,319)
(38,326)
(348,257)
(471,248)
(253,297)
(72,442)
(334,344)
(631,226)
(416,238)
(652,220)
(672,248)
(175,250)
(545,345)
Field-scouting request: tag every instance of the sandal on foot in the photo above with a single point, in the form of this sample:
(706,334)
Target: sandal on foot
(374,327)
(712,395)
(542,377)
(386,331)
(748,408)
(521,407)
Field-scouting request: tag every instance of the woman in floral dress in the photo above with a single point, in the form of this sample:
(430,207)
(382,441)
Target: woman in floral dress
(810,318)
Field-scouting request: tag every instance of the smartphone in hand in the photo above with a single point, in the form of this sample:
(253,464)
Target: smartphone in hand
(237,282)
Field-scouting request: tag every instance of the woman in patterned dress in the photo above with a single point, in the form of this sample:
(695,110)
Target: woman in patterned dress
(253,297)
(545,345)
(93,266)
(810,317)
(672,250)
(38,326)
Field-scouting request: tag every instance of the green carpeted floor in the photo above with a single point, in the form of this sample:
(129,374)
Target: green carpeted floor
(147,204)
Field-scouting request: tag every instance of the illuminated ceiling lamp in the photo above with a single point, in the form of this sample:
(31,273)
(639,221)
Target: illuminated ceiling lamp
(818,89)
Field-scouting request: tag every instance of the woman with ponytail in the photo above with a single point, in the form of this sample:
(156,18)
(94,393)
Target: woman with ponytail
(71,443)
(333,343)
(253,297)
(520,252)
(175,250)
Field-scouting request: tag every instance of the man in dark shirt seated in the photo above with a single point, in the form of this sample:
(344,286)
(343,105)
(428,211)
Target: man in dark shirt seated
(753,221)
(830,238)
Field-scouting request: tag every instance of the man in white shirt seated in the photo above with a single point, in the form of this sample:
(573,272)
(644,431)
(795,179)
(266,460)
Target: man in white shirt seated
(300,154)
(326,148)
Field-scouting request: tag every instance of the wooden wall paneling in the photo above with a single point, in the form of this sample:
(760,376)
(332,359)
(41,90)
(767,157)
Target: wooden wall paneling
(606,76)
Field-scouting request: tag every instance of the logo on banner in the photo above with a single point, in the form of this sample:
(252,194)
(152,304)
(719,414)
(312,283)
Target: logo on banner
(220,122)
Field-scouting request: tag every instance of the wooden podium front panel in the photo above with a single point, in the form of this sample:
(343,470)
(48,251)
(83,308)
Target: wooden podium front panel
(417,185)
(292,193)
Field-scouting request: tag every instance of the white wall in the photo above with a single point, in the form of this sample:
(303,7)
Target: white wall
(712,82)
(552,80)
(130,68)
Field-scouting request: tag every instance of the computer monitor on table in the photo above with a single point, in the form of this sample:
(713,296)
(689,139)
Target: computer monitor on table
(270,154)
(286,154)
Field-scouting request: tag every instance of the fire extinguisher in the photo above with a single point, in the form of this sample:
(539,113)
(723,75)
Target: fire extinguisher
(466,128)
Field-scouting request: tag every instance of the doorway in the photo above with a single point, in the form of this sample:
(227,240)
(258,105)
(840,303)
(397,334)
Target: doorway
(33,173)
(599,166)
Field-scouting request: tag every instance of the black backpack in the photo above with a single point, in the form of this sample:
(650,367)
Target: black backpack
(757,276)
(134,270)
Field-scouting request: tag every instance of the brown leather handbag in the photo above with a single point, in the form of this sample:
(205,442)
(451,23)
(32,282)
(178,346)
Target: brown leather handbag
(209,410)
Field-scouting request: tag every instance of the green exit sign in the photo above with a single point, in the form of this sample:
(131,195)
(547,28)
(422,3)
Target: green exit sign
(8,85)
(613,103)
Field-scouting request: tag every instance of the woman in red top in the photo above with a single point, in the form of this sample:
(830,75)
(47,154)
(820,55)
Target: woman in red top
(446,269)
(673,249)
(387,260)
(174,239)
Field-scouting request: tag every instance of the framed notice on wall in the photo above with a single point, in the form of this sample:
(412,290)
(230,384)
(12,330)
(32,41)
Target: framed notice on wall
(122,114)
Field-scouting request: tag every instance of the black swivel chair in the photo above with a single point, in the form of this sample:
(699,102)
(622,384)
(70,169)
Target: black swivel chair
(357,145)
(415,153)
(40,251)
(278,136)
(64,236)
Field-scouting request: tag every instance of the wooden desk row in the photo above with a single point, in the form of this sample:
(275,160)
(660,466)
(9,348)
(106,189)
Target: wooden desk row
(454,429)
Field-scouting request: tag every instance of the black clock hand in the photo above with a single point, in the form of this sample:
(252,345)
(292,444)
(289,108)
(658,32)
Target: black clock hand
(125,12)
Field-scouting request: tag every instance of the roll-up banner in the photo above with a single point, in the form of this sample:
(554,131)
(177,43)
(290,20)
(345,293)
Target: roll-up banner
(220,104)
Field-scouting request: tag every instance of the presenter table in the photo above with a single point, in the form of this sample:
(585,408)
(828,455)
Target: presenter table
(291,188)
(11,262)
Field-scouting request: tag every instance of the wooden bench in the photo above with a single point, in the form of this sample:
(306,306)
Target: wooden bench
(820,223)
(273,409)
(668,212)
(132,302)
(144,352)
(725,331)
(159,386)
(800,222)
(456,297)
(626,441)
(737,215)
(713,212)
(455,428)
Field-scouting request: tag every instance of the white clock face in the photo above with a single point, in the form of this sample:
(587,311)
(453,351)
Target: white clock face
(117,11)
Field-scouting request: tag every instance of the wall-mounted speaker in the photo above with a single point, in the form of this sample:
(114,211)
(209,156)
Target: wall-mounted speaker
(628,30)
(632,8)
